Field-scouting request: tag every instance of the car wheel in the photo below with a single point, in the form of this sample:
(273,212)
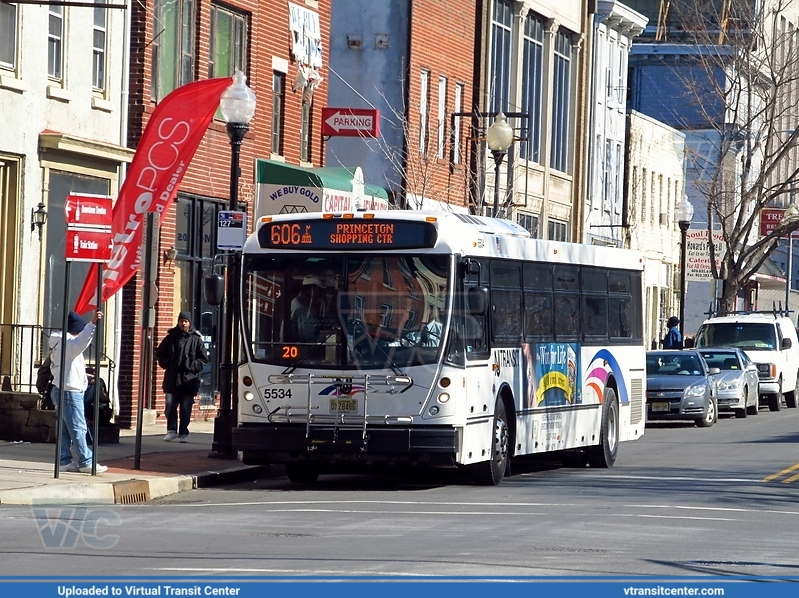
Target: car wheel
(753,409)
(742,413)
(790,397)
(491,472)
(604,455)
(775,400)
(302,472)
(710,415)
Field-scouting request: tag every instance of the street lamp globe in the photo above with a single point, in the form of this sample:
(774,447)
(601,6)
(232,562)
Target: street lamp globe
(499,135)
(684,212)
(237,103)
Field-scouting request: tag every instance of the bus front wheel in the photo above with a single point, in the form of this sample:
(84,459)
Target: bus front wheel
(604,455)
(301,472)
(491,472)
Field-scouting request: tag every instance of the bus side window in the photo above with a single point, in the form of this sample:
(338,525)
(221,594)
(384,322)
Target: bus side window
(474,324)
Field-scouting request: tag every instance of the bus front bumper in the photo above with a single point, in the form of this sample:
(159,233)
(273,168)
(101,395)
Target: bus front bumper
(261,444)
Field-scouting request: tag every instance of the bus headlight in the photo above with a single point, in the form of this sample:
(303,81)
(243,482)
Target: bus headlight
(257,408)
(248,396)
(433,410)
(443,397)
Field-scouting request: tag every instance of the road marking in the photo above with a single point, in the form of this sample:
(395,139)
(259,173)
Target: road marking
(785,471)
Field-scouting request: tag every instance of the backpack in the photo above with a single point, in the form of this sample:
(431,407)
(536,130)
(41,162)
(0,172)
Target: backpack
(44,384)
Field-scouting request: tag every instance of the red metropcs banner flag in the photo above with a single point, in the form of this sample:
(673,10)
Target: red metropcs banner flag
(167,146)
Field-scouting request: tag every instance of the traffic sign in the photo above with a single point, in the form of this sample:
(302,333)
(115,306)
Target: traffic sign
(232,230)
(88,245)
(88,210)
(350,122)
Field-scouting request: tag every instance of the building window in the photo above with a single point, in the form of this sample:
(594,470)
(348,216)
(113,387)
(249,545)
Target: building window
(278,105)
(305,133)
(529,222)
(609,177)
(556,230)
(532,82)
(643,195)
(456,131)
(98,48)
(386,315)
(423,93)
(442,116)
(617,181)
(228,52)
(55,36)
(501,36)
(173,46)
(559,158)
(8,35)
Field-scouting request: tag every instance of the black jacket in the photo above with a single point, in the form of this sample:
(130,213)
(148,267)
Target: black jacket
(183,356)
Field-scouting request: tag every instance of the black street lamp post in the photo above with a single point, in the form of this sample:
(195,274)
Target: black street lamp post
(683,214)
(238,106)
(499,136)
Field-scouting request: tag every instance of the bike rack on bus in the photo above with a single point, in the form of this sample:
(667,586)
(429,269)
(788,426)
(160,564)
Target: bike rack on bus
(394,383)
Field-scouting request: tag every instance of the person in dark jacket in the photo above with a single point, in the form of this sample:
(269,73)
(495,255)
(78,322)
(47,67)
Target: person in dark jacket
(673,338)
(182,354)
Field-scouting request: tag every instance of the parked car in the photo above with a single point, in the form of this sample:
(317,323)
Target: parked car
(680,386)
(769,339)
(737,383)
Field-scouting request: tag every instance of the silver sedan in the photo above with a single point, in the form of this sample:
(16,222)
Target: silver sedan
(737,383)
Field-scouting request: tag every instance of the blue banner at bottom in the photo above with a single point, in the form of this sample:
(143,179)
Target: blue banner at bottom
(400,587)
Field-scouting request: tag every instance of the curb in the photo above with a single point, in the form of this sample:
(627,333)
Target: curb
(119,491)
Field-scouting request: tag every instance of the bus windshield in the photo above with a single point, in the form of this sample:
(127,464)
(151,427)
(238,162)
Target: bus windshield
(345,312)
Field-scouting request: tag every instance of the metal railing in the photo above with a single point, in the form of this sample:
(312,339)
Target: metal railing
(23,348)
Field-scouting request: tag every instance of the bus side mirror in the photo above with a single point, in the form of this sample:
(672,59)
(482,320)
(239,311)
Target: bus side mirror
(477,300)
(786,343)
(214,289)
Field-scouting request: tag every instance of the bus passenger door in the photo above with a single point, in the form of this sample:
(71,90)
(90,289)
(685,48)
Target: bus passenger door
(479,376)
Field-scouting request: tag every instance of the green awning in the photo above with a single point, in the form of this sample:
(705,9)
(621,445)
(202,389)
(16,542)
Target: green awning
(278,173)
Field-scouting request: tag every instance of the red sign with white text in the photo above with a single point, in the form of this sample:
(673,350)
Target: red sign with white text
(769,219)
(88,210)
(88,245)
(350,122)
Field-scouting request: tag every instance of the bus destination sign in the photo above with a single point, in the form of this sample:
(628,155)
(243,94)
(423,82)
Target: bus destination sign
(333,234)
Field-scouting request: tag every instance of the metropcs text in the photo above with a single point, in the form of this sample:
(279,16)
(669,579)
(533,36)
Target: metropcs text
(144,590)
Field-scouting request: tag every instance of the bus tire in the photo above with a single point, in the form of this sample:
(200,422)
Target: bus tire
(491,472)
(302,472)
(604,454)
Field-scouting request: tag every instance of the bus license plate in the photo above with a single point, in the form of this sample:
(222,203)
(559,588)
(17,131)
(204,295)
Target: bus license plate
(343,405)
(660,406)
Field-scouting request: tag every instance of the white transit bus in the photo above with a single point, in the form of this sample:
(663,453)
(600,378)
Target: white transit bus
(434,338)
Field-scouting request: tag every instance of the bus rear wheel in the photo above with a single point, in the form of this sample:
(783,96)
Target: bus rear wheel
(604,455)
(491,472)
(302,472)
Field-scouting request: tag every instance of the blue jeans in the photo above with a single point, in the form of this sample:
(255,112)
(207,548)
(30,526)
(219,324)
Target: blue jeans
(73,428)
(185,402)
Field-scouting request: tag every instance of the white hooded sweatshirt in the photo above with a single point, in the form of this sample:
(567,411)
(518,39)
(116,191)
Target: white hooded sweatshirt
(75,380)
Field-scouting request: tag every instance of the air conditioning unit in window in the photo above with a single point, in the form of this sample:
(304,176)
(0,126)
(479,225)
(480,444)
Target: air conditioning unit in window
(664,219)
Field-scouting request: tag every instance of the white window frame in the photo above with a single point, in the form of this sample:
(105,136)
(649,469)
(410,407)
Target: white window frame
(442,115)
(99,52)
(456,131)
(11,11)
(424,91)
(55,43)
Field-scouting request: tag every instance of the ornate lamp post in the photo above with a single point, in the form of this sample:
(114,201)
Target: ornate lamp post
(238,106)
(682,215)
(499,136)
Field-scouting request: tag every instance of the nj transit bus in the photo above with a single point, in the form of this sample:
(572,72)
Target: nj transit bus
(440,339)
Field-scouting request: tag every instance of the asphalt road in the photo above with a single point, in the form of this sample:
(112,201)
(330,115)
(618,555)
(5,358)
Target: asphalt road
(680,501)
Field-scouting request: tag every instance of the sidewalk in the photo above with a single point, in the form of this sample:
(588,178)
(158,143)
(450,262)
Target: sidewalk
(26,470)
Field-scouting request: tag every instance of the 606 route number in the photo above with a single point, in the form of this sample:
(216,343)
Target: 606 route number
(285,234)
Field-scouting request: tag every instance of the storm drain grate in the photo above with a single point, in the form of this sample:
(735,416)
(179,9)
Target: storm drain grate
(131,491)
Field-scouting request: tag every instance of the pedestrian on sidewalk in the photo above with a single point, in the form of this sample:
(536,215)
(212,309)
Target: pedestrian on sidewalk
(182,354)
(673,338)
(73,426)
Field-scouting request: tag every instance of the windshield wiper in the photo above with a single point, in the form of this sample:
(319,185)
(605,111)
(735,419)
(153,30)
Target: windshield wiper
(394,367)
(290,369)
